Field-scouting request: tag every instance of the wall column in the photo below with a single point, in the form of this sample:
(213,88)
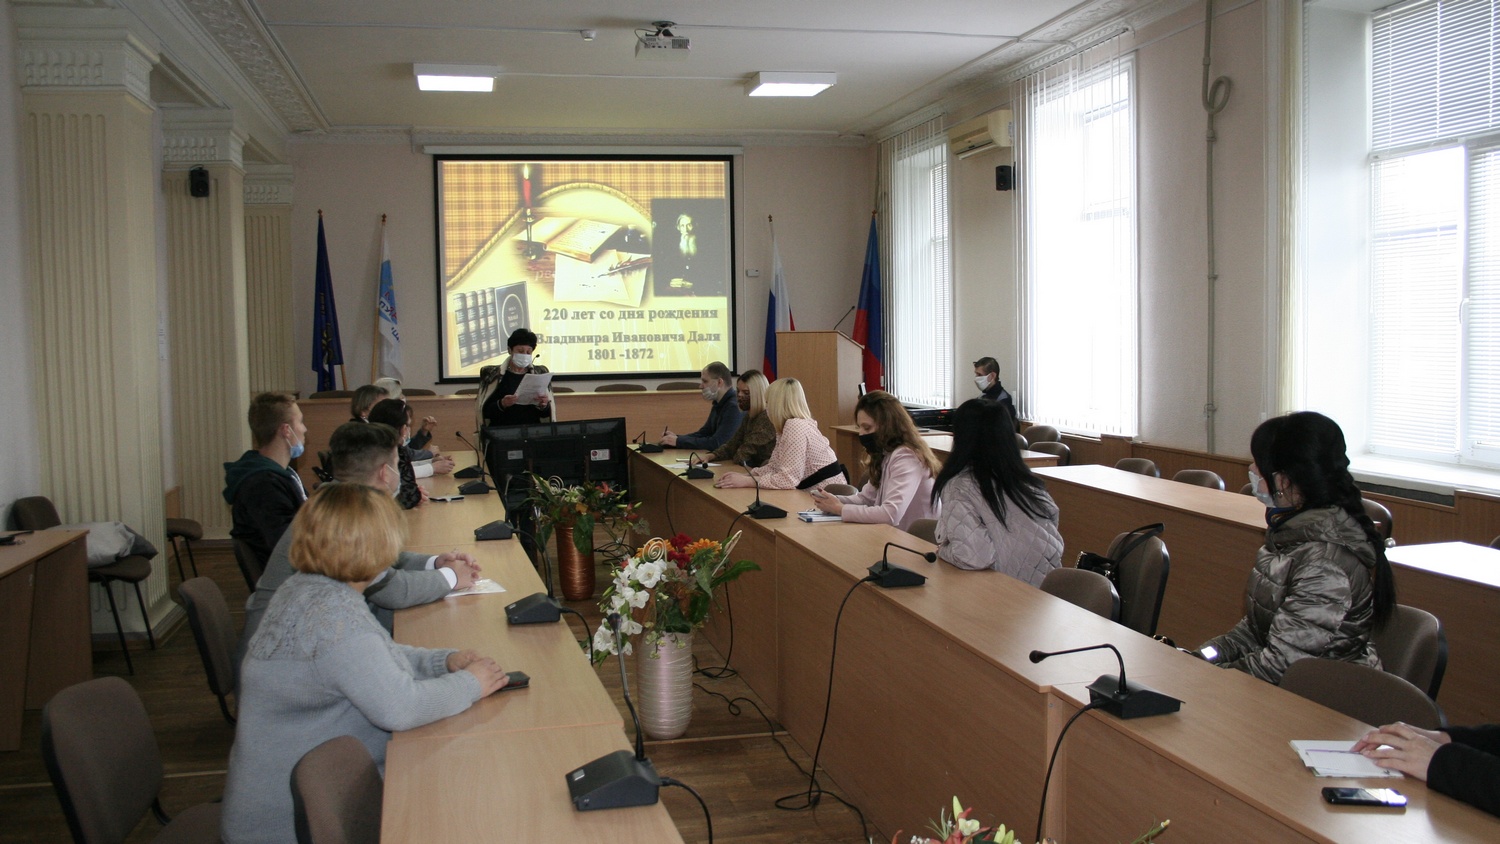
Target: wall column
(268,276)
(87,136)
(205,242)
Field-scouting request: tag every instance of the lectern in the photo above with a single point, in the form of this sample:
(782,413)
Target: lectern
(829,365)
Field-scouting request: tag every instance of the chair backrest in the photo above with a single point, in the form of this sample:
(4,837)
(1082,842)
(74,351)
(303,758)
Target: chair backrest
(417,391)
(678,385)
(251,565)
(34,513)
(1380,515)
(1138,465)
(1042,434)
(1247,489)
(1367,694)
(213,629)
(1063,452)
(102,757)
(336,794)
(924,529)
(332,394)
(467,391)
(1199,477)
(1143,582)
(620,388)
(1411,645)
(1022,443)
(1086,589)
(839,489)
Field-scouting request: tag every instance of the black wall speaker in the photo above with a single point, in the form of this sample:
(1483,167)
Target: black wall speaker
(198,182)
(1004,177)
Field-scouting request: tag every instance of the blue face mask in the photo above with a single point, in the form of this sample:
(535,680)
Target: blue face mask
(297,449)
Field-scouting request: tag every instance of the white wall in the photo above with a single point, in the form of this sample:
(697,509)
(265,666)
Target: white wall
(820,197)
(20,473)
(986,322)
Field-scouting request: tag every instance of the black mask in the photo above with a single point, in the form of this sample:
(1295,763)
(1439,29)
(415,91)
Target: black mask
(870,443)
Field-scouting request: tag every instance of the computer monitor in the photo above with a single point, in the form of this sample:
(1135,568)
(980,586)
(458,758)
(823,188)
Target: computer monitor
(582,451)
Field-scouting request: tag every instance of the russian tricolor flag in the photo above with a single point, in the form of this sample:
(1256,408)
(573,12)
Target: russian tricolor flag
(869,322)
(778,312)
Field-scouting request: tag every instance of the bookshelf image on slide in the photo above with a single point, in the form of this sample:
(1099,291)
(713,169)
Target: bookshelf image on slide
(485,318)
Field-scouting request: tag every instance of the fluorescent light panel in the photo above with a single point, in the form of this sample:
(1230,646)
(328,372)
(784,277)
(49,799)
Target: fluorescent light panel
(790,84)
(456,77)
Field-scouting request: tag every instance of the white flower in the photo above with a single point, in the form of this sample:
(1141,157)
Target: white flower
(604,640)
(629,626)
(638,599)
(648,574)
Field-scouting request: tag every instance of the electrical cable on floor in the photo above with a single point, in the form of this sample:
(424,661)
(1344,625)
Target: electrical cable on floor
(708,819)
(1042,811)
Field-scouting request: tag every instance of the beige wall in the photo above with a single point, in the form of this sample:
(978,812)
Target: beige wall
(820,197)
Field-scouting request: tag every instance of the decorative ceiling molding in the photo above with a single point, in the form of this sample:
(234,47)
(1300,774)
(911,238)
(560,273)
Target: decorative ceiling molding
(421,137)
(198,136)
(268,184)
(239,32)
(63,49)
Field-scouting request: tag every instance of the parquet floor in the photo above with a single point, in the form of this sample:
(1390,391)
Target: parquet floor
(732,760)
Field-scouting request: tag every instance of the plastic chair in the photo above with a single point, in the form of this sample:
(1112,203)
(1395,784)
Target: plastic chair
(1381,516)
(924,529)
(620,388)
(1063,453)
(189,532)
(213,630)
(1022,443)
(678,385)
(37,512)
(563,390)
(1138,465)
(1042,434)
(337,794)
(1143,582)
(1363,693)
(1411,645)
(105,765)
(1086,589)
(251,566)
(1200,477)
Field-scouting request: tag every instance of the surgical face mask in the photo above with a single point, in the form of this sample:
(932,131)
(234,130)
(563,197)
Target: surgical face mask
(869,442)
(522,361)
(297,449)
(1265,497)
(395,468)
(710,393)
(982,382)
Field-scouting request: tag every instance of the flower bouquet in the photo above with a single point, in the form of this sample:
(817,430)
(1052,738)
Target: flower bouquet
(580,509)
(961,829)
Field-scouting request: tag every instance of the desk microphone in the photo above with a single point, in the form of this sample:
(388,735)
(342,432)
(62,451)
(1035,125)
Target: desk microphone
(1116,695)
(888,576)
(761,510)
(699,472)
(476,487)
(645,447)
(622,778)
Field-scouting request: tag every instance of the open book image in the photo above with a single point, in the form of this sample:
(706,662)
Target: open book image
(578,239)
(616,277)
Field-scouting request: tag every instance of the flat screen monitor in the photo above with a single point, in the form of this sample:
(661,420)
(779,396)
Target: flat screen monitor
(577,452)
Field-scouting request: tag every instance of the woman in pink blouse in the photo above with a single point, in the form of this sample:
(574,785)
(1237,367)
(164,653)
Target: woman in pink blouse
(801,449)
(899,465)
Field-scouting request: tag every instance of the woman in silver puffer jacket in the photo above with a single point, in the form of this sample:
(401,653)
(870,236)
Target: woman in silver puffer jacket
(1321,582)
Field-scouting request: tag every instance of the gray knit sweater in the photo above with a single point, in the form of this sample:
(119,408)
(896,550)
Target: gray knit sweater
(320,666)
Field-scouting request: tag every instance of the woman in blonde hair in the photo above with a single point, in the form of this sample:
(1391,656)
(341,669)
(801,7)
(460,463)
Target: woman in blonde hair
(320,666)
(754,439)
(899,465)
(802,457)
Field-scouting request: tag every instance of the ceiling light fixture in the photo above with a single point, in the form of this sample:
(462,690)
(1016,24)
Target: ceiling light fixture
(456,77)
(789,84)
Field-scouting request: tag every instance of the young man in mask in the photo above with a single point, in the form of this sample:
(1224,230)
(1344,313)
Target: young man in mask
(724,418)
(987,379)
(263,493)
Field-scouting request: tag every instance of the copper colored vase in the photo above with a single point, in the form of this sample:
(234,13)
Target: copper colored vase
(575,569)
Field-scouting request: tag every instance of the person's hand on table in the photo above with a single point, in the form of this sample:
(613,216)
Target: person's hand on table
(730,480)
(668,439)
(491,678)
(465,568)
(442,465)
(827,502)
(1402,747)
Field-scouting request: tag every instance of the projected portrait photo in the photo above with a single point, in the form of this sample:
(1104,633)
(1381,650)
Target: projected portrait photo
(688,248)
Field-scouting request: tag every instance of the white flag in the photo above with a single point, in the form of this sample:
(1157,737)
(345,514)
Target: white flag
(390,335)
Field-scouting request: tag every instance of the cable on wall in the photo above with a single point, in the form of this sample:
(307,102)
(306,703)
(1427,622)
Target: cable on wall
(1215,96)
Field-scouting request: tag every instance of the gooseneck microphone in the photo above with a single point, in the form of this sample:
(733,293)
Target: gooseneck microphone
(759,509)
(699,472)
(477,487)
(645,447)
(888,576)
(622,778)
(1116,695)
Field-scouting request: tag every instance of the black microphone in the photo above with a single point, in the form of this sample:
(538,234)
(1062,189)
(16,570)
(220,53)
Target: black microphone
(699,472)
(761,510)
(889,576)
(476,487)
(645,447)
(1116,695)
(622,778)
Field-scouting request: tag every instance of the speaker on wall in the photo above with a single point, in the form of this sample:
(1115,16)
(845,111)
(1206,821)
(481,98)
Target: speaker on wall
(1004,177)
(198,182)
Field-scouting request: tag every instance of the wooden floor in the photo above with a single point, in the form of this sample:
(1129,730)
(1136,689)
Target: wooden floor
(732,760)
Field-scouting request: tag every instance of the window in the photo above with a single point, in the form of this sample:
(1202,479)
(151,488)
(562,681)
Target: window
(914,168)
(1434,361)
(1076,163)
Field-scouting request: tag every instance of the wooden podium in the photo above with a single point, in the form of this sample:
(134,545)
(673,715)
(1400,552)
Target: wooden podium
(829,365)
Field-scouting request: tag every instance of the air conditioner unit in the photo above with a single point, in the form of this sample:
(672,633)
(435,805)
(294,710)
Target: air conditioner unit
(985,132)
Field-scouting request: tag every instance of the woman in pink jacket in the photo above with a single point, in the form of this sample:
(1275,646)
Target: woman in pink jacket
(899,465)
(801,454)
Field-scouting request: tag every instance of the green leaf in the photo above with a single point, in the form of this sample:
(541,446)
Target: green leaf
(733,572)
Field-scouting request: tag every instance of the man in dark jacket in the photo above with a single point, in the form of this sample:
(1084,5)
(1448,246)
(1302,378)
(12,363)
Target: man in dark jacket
(262,491)
(987,379)
(724,418)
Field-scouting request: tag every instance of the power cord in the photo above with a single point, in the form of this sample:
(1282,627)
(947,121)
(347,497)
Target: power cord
(708,819)
(1042,812)
(588,634)
(721,672)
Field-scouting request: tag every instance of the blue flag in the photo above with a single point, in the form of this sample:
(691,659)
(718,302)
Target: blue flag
(327,351)
(869,321)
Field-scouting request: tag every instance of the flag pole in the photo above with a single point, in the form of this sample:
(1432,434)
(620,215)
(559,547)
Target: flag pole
(375,330)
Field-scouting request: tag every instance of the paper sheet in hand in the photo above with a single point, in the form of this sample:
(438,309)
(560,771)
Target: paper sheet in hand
(533,386)
(483,586)
(1335,759)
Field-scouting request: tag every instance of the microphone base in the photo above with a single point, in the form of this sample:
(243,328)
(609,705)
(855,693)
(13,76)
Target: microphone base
(533,609)
(494,530)
(465,474)
(650,448)
(765,511)
(887,576)
(1136,701)
(695,474)
(474,488)
(614,781)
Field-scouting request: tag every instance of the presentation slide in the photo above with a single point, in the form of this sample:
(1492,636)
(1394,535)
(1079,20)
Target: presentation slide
(623,266)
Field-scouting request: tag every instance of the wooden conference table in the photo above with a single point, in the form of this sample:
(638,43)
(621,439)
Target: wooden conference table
(496,772)
(1213,537)
(44,624)
(934,696)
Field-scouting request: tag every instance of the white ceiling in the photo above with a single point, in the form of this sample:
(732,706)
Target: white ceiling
(339,66)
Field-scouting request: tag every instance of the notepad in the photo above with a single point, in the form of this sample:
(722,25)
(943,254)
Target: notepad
(1336,759)
(819,516)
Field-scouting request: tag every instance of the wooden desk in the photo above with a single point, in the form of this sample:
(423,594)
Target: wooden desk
(507,786)
(44,624)
(846,446)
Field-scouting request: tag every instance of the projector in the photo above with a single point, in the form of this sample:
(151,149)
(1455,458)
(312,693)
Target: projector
(662,46)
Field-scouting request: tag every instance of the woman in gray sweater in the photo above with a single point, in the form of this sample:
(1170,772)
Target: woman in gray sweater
(320,666)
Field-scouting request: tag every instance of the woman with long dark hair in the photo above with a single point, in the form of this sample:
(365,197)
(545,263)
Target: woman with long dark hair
(1321,582)
(899,465)
(996,514)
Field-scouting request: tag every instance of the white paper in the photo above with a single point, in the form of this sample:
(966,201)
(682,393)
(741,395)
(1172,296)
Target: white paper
(484,586)
(1336,759)
(533,386)
(819,516)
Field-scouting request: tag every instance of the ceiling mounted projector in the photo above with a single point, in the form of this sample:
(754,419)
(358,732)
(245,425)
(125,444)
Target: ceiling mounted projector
(660,43)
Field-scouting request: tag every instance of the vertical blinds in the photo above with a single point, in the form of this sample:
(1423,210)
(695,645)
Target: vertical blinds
(1434,71)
